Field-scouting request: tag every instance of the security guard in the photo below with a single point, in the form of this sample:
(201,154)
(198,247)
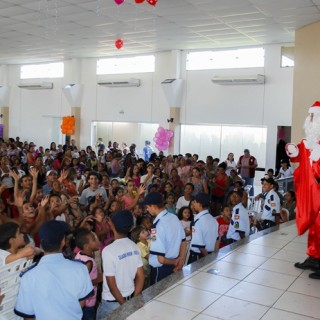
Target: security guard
(271,206)
(204,229)
(168,245)
(56,288)
(240,224)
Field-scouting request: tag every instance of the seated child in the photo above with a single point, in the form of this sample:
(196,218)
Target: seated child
(12,244)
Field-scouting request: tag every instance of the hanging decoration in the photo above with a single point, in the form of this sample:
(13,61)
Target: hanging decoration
(139,1)
(118,43)
(118,2)
(162,138)
(68,125)
(152,2)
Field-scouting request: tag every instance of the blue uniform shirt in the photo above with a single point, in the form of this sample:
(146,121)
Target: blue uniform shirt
(271,203)
(239,222)
(204,232)
(166,237)
(52,290)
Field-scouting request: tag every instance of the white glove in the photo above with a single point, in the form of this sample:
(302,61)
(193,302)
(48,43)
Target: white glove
(292,150)
(315,153)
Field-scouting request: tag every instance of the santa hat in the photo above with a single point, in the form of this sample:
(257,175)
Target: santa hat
(315,108)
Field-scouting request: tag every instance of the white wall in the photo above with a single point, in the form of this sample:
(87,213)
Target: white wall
(204,103)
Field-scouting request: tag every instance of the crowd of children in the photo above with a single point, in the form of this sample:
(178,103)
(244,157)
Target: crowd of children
(88,191)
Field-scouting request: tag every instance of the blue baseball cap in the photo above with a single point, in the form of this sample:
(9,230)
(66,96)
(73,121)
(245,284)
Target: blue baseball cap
(152,198)
(52,233)
(123,221)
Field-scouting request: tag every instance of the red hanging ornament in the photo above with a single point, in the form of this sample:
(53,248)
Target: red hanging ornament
(152,2)
(118,43)
(139,1)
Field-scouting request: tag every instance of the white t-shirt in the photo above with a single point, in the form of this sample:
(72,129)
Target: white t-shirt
(3,256)
(182,202)
(286,173)
(120,259)
(87,193)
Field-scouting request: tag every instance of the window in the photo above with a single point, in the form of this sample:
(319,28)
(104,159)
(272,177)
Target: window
(229,59)
(219,140)
(287,57)
(47,70)
(136,64)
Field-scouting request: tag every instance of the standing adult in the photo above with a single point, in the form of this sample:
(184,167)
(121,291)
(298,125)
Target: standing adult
(247,165)
(307,188)
(147,150)
(204,229)
(57,287)
(168,245)
(94,179)
(231,164)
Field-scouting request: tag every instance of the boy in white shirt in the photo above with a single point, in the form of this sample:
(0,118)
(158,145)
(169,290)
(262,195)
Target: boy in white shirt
(122,266)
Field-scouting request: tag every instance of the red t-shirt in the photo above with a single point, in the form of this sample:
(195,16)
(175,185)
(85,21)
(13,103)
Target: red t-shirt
(223,229)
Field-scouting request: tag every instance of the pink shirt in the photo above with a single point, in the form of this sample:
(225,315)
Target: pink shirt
(90,301)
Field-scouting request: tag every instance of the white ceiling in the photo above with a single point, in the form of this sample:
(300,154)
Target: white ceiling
(46,30)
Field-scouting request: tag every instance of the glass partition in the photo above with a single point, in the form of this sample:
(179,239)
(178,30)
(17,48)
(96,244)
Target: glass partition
(219,140)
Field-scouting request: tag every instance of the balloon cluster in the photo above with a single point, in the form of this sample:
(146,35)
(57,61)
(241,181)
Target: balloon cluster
(119,42)
(68,125)
(151,2)
(162,138)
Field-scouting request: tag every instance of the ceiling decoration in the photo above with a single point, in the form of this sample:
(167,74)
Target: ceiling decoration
(51,30)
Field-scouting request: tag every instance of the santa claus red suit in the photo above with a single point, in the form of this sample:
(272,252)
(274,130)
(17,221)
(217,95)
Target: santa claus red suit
(307,188)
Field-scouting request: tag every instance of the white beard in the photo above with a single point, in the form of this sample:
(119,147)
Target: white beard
(312,130)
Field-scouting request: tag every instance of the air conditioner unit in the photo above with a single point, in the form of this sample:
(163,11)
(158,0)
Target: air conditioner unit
(239,80)
(36,85)
(120,83)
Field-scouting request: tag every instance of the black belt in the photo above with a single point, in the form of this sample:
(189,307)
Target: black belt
(125,298)
(198,253)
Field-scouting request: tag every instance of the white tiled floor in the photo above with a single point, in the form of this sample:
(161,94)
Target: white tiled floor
(256,281)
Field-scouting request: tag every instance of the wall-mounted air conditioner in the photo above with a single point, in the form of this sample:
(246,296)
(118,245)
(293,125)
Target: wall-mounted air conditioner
(239,80)
(36,85)
(120,83)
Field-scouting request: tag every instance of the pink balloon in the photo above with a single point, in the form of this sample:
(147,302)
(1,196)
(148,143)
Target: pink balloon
(163,135)
(160,130)
(170,134)
(118,2)
(158,135)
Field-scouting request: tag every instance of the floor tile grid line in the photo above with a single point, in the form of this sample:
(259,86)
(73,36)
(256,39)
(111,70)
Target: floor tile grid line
(174,305)
(243,280)
(284,291)
(298,314)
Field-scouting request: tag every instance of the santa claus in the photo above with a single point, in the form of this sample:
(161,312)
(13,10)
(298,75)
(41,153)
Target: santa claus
(307,188)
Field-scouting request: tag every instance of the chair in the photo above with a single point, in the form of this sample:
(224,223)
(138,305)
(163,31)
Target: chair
(9,285)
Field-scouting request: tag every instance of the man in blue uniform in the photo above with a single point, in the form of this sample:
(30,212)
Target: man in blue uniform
(56,288)
(271,206)
(239,225)
(168,245)
(204,229)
